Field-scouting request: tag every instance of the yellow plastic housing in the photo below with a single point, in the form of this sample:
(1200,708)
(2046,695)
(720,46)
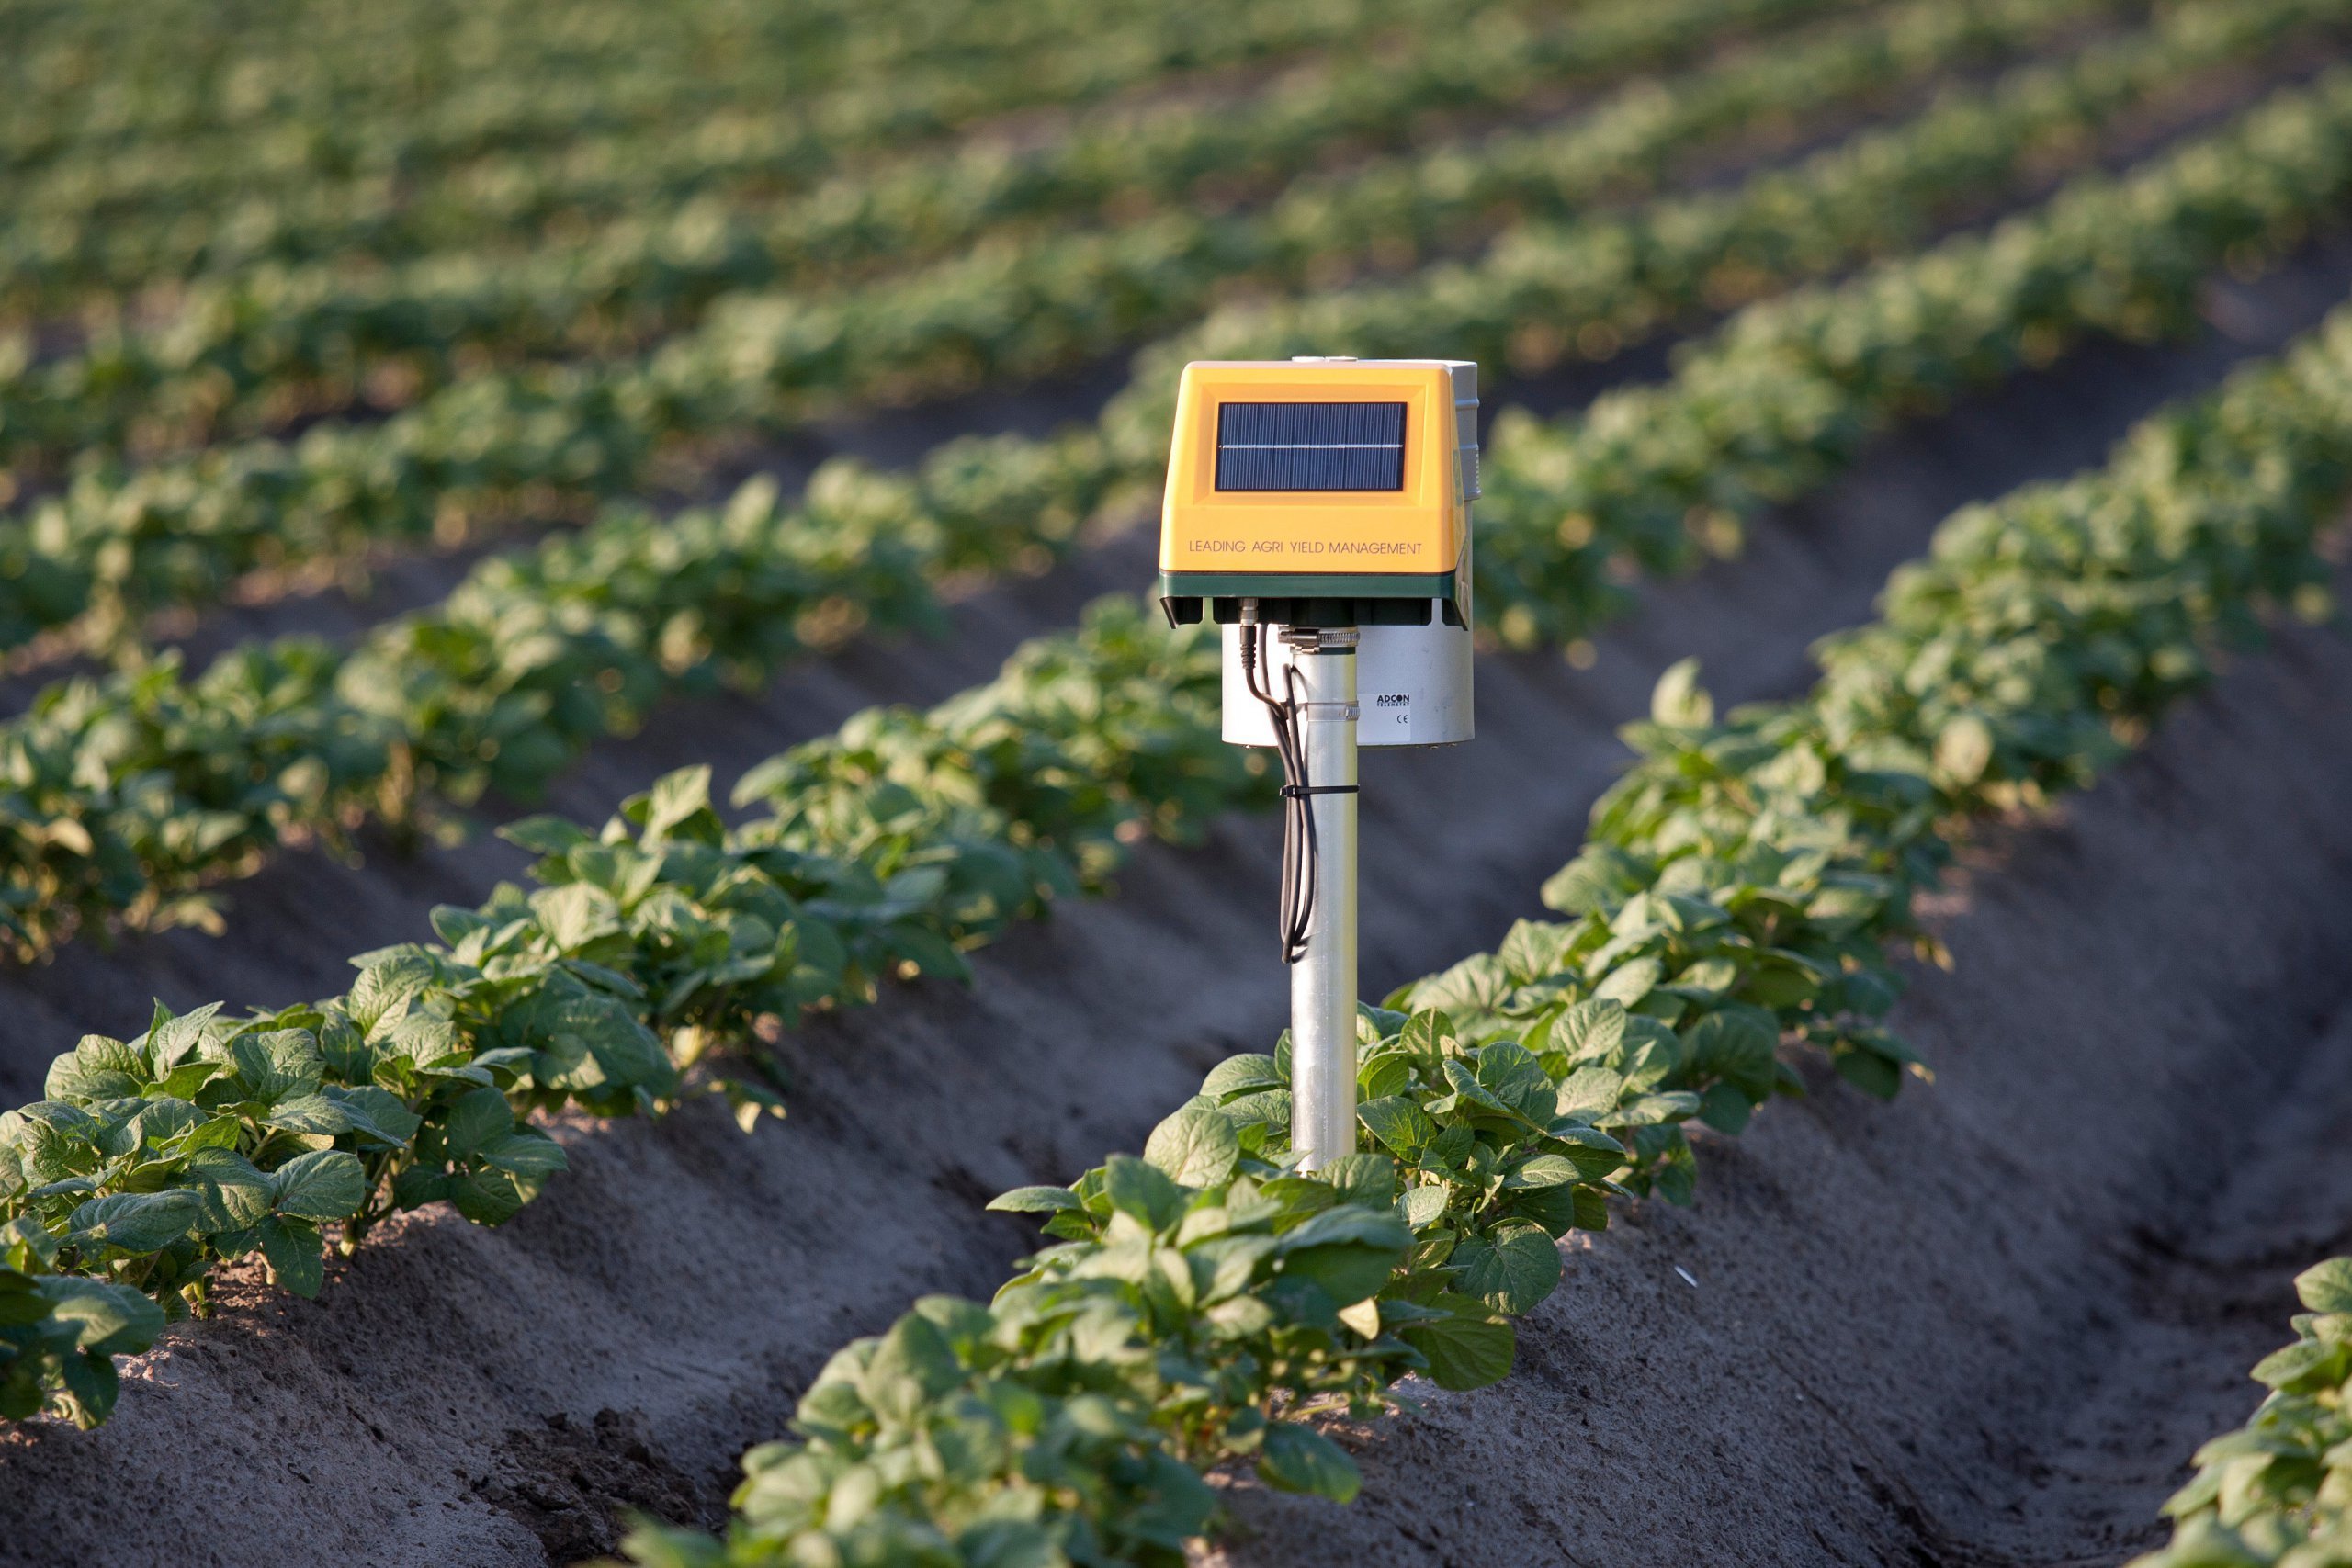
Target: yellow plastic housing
(1302,542)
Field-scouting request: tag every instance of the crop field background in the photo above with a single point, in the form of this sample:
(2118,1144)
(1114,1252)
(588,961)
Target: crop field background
(624,934)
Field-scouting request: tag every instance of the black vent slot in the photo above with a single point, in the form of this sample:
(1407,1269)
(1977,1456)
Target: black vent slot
(1325,446)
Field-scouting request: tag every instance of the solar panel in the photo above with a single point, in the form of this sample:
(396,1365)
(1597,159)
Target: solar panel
(1310,446)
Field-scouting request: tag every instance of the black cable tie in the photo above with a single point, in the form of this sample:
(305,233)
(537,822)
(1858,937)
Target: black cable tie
(1296,792)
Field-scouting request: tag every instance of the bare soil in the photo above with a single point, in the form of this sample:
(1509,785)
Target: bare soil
(1982,1326)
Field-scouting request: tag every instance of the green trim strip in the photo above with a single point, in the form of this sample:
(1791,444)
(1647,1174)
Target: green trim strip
(1305,585)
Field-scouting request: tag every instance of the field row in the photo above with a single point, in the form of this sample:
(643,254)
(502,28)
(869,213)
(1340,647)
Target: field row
(659,246)
(182,112)
(645,949)
(249,353)
(116,546)
(127,799)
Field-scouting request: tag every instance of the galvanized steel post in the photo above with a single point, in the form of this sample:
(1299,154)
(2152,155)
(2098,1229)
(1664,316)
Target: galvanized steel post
(1323,982)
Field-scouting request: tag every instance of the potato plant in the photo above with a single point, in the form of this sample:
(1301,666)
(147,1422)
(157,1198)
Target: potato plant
(2278,1491)
(60,1334)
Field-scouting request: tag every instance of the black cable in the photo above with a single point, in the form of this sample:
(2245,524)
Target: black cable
(1299,849)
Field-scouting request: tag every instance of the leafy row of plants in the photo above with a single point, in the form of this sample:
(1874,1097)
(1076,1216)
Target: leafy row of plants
(661,945)
(2278,1491)
(241,201)
(664,247)
(128,797)
(1204,1305)
(1589,289)
(125,111)
(116,545)
(247,352)
(1739,885)
(1783,397)
(131,798)
(124,78)
(666,258)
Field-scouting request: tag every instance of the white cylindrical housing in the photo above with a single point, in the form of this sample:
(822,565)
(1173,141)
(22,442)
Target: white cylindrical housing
(1323,982)
(1412,683)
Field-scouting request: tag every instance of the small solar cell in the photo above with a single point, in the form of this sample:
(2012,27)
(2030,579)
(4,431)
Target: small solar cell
(1310,446)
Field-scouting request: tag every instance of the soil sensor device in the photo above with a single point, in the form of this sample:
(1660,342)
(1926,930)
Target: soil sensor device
(1318,512)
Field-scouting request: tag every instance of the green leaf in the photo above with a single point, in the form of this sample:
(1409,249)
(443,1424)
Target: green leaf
(98,1068)
(325,1184)
(296,1254)
(1588,1094)
(310,1113)
(2288,1368)
(1350,1252)
(1035,1201)
(543,835)
(375,1113)
(135,1222)
(1736,1046)
(674,798)
(1629,982)
(526,1152)
(182,1081)
(1544,1170)
(453,924)
(170,1039)
(1245,1074)
(1965,748)
(1512,1270)
(1367,1181)
(1197,1146)
(1470,1348)
(1299,1459)
(1725,1108)
(235,1192)
(387,981)
(1534,950)
(911,1365)
(1677,699)
(2326,1287)
(1594,1154)
(277,1065)
(1590,1031)
(475,1120)
(107,1319)
(489,1196)
(1401,1126)
(1588,882)
(1142,1191)
(1425,1205)
(575,915)
(1476,1095)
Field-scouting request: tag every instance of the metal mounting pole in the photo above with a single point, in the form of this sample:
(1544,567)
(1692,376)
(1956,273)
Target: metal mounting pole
(1323,982)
